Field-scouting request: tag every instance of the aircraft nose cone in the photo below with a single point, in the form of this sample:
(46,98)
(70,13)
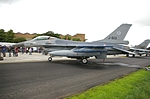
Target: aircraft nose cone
(54,53)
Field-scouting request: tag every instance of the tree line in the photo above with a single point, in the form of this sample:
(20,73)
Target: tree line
(51,33)
(9,36)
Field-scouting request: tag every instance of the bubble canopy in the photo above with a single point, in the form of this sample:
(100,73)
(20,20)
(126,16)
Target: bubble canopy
(43,38)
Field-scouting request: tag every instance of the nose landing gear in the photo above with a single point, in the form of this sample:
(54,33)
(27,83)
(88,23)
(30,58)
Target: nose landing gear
(84,61)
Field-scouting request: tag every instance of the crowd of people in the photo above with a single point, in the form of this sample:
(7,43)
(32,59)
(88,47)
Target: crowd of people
(13,50)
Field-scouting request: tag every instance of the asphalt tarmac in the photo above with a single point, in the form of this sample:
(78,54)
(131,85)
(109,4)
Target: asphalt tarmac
(39,79)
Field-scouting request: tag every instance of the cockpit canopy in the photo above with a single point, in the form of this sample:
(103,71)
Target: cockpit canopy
(43,38)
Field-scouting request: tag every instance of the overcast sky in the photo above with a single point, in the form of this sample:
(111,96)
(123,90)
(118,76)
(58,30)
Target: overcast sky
(95,18)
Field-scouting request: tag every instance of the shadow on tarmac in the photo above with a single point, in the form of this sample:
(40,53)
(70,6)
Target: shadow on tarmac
(94,64)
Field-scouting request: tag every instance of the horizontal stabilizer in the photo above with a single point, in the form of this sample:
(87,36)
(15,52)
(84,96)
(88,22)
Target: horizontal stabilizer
(128,52)
(143,50)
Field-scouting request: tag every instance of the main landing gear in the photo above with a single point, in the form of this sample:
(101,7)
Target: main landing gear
(50,59)
(127,55)
(133,55)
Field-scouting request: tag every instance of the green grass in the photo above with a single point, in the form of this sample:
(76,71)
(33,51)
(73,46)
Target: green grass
(133,86)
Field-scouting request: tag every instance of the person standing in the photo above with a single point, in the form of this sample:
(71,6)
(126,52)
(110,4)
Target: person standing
(1,58)
(13,51)
(16,51)
(9,50)
(30,51)
(4,49)
(23,50)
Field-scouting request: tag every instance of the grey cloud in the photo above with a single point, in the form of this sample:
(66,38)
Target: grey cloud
(8,1)
(144,20)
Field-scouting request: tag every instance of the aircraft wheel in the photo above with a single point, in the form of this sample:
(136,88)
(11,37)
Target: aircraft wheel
(50,59)
(133,55)
(84,61)
(127,55)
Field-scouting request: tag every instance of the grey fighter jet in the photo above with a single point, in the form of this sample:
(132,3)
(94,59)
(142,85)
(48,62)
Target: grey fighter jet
(111,45)
(141,48)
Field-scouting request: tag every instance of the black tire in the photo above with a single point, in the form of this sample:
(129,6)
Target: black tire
(50,59)
(127,55)
(133,55)
(84,61)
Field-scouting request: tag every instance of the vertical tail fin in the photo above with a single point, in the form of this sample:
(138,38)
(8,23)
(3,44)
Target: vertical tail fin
(118,34)
(143,45)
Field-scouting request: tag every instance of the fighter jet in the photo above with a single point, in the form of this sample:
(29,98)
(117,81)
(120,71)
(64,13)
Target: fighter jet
(111,45)
(141,48)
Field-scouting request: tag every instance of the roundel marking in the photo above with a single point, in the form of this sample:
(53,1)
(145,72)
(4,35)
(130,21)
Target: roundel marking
(119,33)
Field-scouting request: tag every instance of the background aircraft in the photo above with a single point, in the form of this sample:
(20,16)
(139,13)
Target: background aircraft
(83,50)
(141,48)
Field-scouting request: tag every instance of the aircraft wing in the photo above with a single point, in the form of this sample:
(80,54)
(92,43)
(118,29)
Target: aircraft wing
(126,51)
(92,46)
(143,50)
(79,45)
